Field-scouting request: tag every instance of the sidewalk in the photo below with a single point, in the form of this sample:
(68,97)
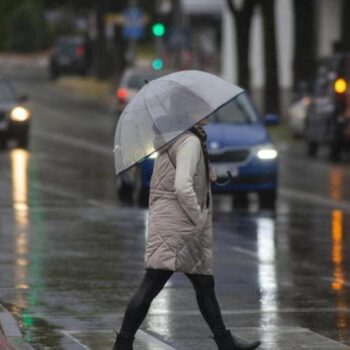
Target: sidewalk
(100,92)
(4,345)
(11,337)
(16,60)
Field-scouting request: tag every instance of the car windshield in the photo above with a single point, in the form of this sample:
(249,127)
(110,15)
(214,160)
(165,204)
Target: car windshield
(6,92)
(137,81)
(67,46)
(66,49)
(240,110)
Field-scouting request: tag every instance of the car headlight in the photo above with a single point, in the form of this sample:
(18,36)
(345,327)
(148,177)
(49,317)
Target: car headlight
(20,114)
(266,152)
(154,155)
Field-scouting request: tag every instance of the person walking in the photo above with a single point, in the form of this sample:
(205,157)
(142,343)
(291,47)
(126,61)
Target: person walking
(180,237)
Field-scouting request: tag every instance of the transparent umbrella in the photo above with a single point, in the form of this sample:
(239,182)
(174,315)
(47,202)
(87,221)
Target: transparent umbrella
(163,110)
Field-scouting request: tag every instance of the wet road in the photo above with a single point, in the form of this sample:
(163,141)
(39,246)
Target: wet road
(71,254)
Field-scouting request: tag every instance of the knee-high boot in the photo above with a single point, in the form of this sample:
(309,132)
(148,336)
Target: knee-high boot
(123,342)
(229,342)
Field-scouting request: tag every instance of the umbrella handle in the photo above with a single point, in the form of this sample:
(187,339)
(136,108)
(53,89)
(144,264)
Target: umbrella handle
(230,179)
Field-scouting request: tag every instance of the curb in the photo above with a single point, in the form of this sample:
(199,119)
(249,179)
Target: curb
(11,337)
(104,102)
(4,345)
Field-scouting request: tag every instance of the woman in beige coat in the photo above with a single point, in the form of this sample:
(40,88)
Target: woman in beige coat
(180,237)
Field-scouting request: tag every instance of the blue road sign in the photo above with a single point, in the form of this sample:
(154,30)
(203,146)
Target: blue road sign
(133,23)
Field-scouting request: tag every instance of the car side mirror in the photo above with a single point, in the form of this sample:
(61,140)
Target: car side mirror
(23,98)
(271,119)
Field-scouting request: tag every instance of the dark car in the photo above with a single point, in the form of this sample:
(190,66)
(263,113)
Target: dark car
(328,114)
(70,55)
(14,116)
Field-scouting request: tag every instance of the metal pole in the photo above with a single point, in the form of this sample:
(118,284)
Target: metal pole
(132,42)
(177,28)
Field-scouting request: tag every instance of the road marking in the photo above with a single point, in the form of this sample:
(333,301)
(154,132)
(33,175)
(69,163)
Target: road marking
(141,337)
(68,334)
(314,198)
(60,192)
(161,312)
(271,336)
(332,279)
(74,142)
(255,256)
(245,252)
(151,340)
(69,194)
(283,191)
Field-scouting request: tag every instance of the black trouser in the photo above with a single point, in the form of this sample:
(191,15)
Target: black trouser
(153,282)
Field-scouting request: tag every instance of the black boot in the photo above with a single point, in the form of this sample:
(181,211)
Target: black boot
(228,342)
(123,342)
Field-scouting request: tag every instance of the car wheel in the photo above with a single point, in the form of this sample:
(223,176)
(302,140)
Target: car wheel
(143,197)
(240,201)
(312,149)
(125,192)
(267,199)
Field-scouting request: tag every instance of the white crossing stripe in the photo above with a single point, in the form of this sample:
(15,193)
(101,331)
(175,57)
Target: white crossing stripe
(100,339)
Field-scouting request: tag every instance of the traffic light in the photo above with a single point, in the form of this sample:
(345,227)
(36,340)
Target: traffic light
(340,85)
(158,29)
(157,64)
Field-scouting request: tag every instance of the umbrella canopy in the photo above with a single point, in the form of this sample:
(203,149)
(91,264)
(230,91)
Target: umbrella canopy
(163,110)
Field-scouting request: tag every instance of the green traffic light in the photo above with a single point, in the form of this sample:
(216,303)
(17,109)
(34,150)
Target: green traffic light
(157,64)
(158,29)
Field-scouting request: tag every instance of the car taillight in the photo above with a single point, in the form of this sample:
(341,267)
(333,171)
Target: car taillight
(122,94)
(80,50)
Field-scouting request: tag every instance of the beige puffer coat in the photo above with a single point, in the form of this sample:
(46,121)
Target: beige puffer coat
(179,224)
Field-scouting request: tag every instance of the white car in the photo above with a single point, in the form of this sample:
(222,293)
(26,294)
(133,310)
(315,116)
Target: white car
(131,82)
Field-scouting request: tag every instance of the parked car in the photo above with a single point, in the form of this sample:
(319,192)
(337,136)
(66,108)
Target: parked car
(15,117)
(238,142)
(131,82)
(70,54)
(328,117)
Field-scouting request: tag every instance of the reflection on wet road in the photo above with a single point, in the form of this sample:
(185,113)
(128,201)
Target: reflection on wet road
(71,254)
